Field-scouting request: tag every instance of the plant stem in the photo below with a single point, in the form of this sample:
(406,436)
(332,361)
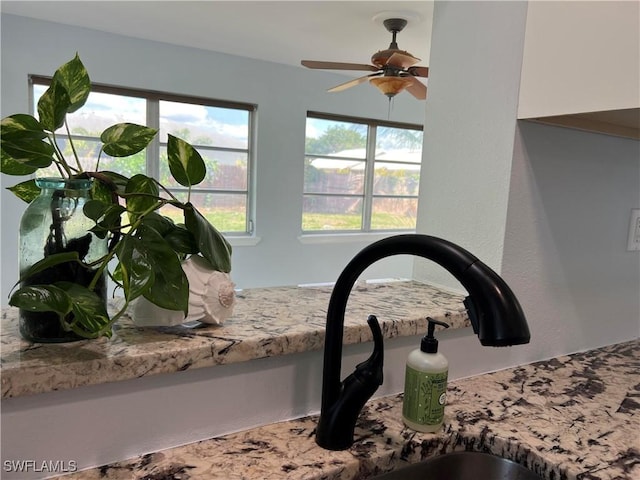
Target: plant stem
(98,160)
(58,153)
(60,170)
(167,191)
(73,148)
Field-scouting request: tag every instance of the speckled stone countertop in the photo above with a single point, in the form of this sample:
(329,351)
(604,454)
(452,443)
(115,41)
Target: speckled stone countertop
(266,322)
(572,417)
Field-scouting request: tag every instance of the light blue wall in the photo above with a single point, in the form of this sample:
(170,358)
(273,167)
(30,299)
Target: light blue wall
(283,94)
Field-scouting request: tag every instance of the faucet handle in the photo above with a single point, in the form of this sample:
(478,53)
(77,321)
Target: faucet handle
(338,421)
(370,371)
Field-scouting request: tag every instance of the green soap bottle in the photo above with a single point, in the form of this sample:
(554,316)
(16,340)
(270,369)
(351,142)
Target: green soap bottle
(425,384)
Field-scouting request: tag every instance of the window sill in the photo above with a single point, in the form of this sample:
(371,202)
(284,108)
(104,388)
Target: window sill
(324,238)
(243,241)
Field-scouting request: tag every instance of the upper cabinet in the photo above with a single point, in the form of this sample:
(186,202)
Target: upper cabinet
(581,66)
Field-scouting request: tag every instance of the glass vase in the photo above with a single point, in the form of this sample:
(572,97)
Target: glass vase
(54,222)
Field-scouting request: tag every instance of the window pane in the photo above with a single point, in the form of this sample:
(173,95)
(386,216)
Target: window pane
(398,144)
(396,179)
(394,213)
(226,211)
(334,138)
(331,213)
(127,166)
(225,170)
(99,112)
(204,125)
(325,175)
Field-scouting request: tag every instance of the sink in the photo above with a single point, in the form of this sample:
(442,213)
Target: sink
(462,466)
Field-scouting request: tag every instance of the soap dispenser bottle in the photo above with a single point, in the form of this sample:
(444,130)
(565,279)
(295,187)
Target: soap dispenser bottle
(425,384)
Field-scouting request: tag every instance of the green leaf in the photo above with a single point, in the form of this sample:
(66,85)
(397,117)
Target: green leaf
(9,166)
(48,262)
(159,223)
(42,298)
(185,163)
(124,139)
(32,153)
(212,244)
(95,209)
(134,271)
(21,140)
(111,219)
(21,126)
(101,191)
(26,191)
(170,288)
(53,106)
(112,180)
(141,195)
(108,186)
(90,314)
(74,78)
(178,237)
(181,240)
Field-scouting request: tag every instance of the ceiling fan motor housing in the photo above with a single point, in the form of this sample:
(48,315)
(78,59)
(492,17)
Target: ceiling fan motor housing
(380,58)
(393,25)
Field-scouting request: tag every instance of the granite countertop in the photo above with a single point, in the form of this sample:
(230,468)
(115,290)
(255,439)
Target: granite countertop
(266,322)
(571,417)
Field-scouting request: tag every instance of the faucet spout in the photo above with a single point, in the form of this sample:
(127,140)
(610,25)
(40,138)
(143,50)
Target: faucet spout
(494,311)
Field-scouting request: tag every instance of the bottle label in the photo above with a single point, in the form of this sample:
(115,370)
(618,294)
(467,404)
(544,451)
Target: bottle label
(425,396)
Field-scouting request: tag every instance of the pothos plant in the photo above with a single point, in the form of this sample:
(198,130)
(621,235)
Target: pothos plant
(145,248)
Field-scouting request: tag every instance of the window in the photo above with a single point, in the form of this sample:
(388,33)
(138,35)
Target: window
(360,175)
(220,131)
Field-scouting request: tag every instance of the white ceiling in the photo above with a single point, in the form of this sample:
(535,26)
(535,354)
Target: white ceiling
(276,31)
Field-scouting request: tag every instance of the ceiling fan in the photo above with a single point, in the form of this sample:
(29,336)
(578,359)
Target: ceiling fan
(394,69)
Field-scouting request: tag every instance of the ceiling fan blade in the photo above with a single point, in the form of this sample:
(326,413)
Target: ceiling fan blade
(338,65)
(402,60)
(417,88)
(352,83)
(418,71)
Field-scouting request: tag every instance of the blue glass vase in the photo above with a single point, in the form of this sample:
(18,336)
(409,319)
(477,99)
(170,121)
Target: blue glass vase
(54,222)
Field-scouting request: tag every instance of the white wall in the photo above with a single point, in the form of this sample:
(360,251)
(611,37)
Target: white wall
(580,57)
(547,207)
(565,245)
(283,94)
(476,54)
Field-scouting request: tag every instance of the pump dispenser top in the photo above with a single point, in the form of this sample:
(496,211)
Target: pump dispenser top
(429,343)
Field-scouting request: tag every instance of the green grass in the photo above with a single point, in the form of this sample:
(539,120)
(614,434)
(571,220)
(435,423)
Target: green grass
(235,221)
(379,221)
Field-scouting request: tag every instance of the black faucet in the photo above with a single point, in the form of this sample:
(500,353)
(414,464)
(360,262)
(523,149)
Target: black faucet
(494,311)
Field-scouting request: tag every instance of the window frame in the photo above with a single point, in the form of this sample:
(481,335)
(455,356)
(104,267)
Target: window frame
(152,153)
(369,160)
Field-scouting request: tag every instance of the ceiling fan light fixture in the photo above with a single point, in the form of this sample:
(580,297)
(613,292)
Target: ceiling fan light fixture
(391,86)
